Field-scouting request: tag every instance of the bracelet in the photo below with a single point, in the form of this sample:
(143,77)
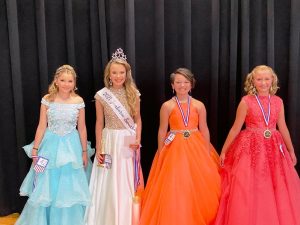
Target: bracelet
(83,150)
(34,156)
(35,148)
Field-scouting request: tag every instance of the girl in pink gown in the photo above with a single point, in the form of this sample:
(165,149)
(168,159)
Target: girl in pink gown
(259,183)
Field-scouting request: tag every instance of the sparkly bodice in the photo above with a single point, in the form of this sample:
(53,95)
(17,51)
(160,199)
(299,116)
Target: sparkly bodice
(62,117)
(254,117)
(176,121)
(111,119)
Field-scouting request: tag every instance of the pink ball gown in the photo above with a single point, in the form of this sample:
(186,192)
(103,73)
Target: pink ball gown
(260,185)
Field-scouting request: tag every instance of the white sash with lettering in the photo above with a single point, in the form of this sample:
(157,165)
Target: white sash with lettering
(128,122)
(118,109)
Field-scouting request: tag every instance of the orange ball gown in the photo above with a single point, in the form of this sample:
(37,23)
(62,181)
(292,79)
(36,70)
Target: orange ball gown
(184,183)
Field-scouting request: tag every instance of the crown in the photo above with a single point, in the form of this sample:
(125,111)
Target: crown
(119,54)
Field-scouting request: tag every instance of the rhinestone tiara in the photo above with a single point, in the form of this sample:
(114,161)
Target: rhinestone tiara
(119,54)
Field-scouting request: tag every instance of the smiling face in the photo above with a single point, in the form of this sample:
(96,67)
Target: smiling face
(65,82)
(262,81)
(181,85)
(117,74)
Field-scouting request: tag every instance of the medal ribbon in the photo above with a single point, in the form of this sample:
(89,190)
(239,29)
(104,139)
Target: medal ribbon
(266,116)
(184,118)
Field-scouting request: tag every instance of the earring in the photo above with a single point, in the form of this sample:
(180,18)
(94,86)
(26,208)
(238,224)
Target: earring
(75,88)
(173,91)
(110,82)
(190,92)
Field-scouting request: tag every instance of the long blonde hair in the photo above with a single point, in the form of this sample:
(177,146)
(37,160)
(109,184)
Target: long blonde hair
(249,85)
(131,90)
(53,89)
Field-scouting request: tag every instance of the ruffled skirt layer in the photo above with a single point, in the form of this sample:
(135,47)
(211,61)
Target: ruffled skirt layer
(59,194)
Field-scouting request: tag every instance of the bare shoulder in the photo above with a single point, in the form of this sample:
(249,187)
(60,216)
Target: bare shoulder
(168,106)
(76,99)
(46,97)
(198,104)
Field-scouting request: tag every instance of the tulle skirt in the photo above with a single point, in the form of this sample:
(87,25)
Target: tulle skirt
(260,185)
(183,185)
(59,195)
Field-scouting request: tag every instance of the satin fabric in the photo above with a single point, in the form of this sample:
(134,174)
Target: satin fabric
(184,183)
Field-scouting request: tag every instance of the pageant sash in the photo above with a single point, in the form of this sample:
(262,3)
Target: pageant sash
(118,109)
(128,122)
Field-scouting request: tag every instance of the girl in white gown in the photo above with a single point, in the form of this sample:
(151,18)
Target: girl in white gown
(112,183)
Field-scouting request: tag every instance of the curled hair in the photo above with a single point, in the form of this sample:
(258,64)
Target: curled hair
(53,89)
(184,72)
(249,86)
(131,90)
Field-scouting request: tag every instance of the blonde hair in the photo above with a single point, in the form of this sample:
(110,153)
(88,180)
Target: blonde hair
(131,90)
(186,73)
(249,85)
(53,89)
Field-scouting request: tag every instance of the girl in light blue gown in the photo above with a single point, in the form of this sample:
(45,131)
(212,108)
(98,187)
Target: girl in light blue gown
(58,192)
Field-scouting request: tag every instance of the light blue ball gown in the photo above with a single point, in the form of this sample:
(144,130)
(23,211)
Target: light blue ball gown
(61,192)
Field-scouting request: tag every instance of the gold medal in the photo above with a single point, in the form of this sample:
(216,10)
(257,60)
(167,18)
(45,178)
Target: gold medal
(267,133)
(186,134)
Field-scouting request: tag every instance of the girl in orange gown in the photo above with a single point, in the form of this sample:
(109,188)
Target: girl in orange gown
(184,183)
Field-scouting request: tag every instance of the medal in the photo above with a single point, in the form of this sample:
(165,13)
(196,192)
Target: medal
(267,132)
(186,133)
(185,119)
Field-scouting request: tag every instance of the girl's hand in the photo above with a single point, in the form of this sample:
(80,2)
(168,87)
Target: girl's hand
(222,159)
(135,146)
(99,157)
(34,156)
(85,158)
(34,159)
(293,158)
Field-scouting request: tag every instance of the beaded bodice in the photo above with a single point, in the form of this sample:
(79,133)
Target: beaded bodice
(254,118)
(62,117)
(111,119)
